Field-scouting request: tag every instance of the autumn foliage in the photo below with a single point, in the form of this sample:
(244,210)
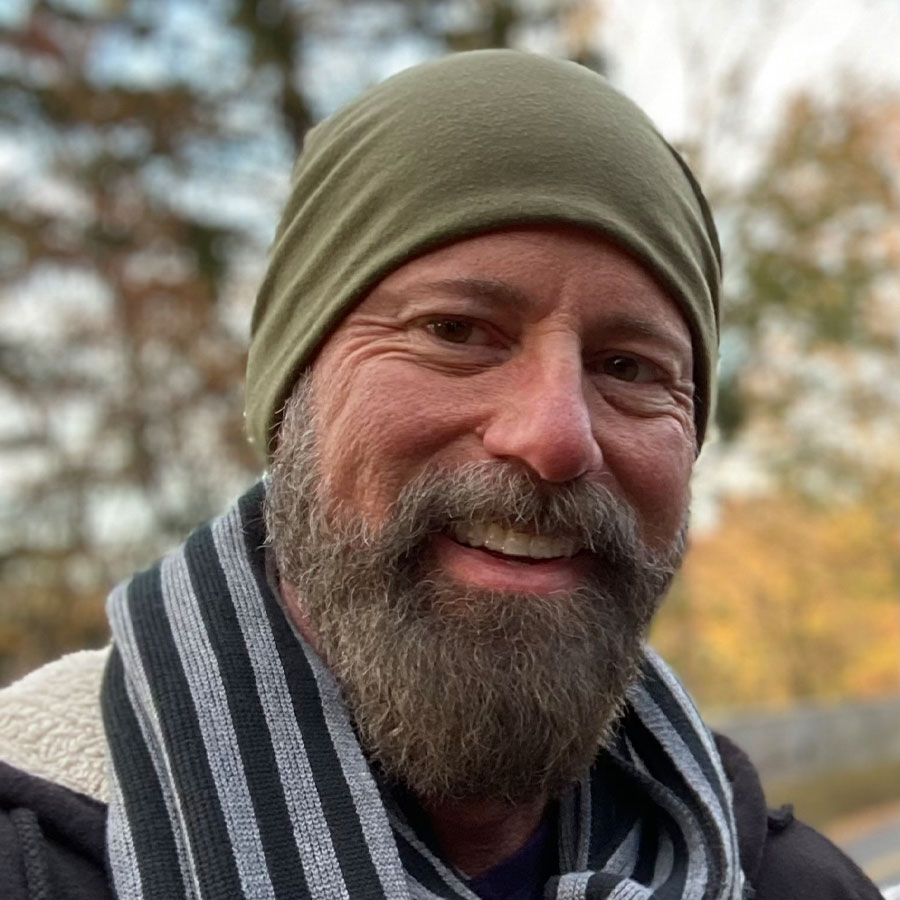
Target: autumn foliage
(789,600)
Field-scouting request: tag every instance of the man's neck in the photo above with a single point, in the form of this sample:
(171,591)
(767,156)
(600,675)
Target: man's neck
(475,835)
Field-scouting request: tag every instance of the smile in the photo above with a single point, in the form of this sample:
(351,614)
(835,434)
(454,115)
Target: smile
(491,536)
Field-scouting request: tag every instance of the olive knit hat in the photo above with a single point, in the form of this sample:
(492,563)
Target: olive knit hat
(449,149)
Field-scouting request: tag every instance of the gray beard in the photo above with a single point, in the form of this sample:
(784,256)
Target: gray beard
(458,692)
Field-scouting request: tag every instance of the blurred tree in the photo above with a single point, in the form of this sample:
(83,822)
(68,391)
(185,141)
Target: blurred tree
(144,153)
(794,594)
(120,357)
(814,250)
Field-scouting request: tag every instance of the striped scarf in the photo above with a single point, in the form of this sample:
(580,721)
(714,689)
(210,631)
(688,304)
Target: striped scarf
(235,771)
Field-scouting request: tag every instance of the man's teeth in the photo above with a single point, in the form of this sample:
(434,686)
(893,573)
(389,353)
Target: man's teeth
(513,543)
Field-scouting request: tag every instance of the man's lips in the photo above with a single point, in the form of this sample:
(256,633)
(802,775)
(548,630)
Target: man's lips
(483,568)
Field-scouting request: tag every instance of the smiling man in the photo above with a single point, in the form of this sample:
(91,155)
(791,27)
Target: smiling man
(411,661)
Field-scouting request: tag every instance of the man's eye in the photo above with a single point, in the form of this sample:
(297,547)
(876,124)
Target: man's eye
(457,331)
(629,368)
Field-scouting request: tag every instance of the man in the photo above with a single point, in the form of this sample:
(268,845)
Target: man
(481,368)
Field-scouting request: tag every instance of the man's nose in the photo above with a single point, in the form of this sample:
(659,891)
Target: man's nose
(544,422)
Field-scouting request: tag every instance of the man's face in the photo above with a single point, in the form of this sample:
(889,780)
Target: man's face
(541,347)
(480,497)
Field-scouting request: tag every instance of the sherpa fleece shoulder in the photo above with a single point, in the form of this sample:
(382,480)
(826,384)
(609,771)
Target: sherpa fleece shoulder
(51,725)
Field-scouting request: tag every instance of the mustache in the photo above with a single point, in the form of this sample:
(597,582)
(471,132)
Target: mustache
(510,496)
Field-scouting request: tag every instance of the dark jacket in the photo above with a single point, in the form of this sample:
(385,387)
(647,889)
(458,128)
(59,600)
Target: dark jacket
(52,843)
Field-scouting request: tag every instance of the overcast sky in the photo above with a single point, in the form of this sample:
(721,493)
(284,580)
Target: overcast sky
(801,44)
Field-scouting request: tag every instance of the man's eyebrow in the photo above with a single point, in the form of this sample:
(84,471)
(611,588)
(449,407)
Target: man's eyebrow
(624,325)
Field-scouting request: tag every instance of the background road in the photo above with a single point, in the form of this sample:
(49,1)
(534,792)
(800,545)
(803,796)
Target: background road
(873,840)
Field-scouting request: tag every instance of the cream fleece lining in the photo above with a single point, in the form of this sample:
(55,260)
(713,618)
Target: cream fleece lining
(51,725)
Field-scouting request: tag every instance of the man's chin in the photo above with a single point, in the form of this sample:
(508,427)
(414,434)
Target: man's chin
(529,755)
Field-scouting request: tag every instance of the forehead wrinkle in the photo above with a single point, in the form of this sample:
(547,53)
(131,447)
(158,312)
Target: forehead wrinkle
(484,291)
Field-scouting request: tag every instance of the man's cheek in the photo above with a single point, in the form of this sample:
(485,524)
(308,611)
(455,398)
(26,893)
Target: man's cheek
(657,485)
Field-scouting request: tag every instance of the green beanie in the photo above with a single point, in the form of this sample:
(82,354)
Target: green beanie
(449,149)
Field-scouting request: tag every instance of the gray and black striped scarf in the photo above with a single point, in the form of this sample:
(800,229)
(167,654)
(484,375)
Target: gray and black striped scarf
(235,771)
